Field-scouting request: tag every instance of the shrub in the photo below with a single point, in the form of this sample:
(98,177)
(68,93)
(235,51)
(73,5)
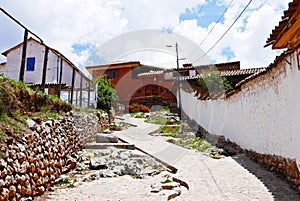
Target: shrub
(212,80)
(135,107)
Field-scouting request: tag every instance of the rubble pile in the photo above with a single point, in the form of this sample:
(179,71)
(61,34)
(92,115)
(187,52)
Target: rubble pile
(112,162)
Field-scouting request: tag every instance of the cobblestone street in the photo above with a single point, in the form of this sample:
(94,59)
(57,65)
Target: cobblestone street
(229,178)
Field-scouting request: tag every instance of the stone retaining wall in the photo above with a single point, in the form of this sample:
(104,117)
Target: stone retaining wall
(30,164)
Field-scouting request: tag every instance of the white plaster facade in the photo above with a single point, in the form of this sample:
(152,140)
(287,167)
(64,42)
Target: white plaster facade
(36,50)
(264,116)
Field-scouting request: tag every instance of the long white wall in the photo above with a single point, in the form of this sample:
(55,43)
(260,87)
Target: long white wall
(264,116)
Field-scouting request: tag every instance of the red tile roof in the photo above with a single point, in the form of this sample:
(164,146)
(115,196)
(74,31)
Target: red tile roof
(277,60)
(248,71)
(284,24)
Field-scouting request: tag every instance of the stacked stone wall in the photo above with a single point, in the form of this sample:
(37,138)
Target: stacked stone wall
(30,164)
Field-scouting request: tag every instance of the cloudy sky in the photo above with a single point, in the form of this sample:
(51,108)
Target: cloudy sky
(78,29)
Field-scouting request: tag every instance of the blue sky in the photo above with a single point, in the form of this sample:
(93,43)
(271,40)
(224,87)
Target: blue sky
(204,14)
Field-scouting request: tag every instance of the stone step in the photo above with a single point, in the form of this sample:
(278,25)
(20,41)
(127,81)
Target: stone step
(106,138)
(106,145)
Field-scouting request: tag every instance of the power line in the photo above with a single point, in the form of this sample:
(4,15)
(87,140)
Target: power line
(212,28)
(224,32)
(201,8)
(216,23)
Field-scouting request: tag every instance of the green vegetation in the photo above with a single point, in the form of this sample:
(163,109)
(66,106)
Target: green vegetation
(167,109)
(63,182)
(107,95)
(191,142)
(138,115)
(66,182)
(18,102)
(157,120)
(212,81)
(166,181)
(169,130)
(3,116)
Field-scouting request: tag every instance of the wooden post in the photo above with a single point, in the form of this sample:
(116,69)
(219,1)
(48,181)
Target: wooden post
(89,94)
(23,61)
(80,94)
(60,77)
(45,68)
(72,87)
(76,100)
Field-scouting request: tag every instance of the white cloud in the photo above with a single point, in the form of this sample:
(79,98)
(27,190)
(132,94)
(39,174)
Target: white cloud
(147,14)
(68,22)
(64,23)
(246,38)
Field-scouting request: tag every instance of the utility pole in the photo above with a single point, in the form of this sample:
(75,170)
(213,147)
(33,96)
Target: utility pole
(178,80)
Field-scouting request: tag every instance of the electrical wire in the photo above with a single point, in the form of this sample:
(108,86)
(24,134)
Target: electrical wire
(216,23)
(212,27)
(224,32)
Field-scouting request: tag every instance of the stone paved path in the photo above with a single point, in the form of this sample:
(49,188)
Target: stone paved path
(230,178)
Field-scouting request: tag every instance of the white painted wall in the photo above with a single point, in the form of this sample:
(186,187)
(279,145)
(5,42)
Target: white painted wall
(264,116)
(37,50)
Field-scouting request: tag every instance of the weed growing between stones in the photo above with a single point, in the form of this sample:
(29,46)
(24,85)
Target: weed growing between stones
(66,183)
(192,142)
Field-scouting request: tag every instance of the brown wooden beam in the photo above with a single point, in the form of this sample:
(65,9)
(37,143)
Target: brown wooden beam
(23,59)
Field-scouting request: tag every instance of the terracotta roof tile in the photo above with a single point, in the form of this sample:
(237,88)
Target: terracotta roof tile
(248,71)
(160,72)
(264,70)
(283,23)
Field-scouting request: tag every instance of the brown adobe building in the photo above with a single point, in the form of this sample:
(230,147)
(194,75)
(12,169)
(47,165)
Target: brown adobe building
(137,83)
(148,85)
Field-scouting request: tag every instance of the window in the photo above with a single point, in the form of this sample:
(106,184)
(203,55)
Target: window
(112,73)
(30,64)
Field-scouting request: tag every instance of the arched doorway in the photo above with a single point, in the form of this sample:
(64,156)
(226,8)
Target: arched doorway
(152,94)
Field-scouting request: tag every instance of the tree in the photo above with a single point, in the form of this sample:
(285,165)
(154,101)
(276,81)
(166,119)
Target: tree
(106,94)
(212,80)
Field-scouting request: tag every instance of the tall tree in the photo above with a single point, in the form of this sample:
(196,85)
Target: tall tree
(106,94)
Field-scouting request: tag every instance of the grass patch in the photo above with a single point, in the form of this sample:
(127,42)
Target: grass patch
(157,120)
(192,142)
(138,115)
(63,182)
(169,130)
(66,182)
(3,116)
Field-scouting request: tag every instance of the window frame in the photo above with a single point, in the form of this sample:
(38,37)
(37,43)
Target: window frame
(30,64)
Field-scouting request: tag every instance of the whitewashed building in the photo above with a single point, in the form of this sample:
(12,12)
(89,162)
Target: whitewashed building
(60,71)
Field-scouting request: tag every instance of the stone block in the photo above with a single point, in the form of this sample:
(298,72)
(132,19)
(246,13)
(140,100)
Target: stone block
(106,138)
